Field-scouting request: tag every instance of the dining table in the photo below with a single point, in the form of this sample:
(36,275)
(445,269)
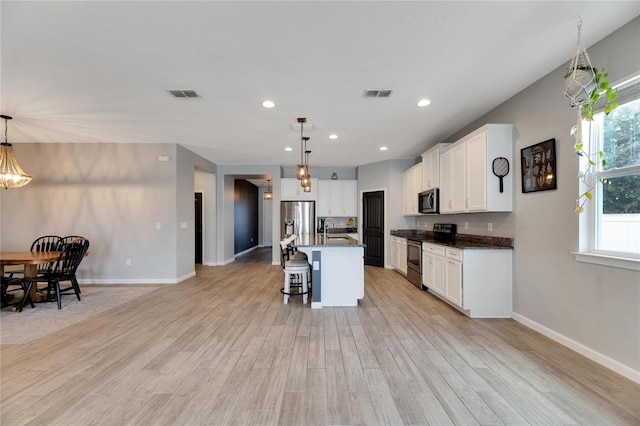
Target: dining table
(30,261)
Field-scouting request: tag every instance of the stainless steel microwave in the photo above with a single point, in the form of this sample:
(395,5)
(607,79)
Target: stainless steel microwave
(429,201)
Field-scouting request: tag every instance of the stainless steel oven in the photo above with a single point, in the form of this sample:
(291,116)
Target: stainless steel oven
(414,262)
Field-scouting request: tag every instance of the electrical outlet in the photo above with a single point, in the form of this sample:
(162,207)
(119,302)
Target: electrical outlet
(127,262)
(466,225)
(490,227)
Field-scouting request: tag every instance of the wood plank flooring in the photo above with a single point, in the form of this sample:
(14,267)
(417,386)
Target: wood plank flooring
(221,348)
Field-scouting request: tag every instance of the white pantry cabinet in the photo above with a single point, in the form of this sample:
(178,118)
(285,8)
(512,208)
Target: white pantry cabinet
(399,253)
(411,187)
(467,182)
(337,198)
(477,282)
(431,167)
(290,190)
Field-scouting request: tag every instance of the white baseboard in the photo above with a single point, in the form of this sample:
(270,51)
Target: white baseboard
(590,353)
(90,281)
(187,276)
(122,281)
(316,305)
(247,251)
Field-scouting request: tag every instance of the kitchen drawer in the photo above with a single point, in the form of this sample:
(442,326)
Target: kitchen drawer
(399,240)
(433,249)
(454,254)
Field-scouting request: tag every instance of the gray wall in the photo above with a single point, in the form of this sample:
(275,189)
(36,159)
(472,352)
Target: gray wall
(387,176)
(225,176)
(186,164)
(114,194)
(593,308)
(206,183)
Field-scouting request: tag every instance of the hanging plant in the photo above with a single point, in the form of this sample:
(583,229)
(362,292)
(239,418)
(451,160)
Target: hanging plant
(585,85)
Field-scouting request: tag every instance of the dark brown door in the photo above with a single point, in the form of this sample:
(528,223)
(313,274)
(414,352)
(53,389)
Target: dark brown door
(198,227)
(373,228)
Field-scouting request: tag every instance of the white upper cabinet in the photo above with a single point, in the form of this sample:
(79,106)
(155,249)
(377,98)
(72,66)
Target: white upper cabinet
(337,198)
(290,190)
(431,167)
(411,187)
(467,181)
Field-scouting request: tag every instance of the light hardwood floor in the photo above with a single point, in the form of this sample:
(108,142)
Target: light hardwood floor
(221,348)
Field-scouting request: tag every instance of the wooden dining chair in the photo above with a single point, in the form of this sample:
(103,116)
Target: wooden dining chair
(64,269)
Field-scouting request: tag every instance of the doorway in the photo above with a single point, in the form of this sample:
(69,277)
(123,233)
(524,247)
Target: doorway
(198,228)
(373,228)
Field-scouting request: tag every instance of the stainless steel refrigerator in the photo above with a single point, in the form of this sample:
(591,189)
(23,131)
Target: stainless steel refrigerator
(297,217)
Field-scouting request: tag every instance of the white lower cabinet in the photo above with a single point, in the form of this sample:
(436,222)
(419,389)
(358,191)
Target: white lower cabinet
(433,267)
(399,253)
(453,277)
(477,282)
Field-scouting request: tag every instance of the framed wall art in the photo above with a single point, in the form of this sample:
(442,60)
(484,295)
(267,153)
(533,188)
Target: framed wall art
(539,171)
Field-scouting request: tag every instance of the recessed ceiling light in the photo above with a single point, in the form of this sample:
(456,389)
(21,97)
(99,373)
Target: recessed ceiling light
(383,148)
(333,136)
(423,102)
(268,104)
(288,149)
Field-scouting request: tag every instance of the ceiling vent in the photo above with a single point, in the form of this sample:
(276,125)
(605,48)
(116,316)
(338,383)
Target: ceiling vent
(305,126)
(184,93)
(385,93)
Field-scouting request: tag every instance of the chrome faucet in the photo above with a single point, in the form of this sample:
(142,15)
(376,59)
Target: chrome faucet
(333,223)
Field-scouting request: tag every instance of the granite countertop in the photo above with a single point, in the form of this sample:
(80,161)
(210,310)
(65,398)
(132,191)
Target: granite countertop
(463,241)
(318,240)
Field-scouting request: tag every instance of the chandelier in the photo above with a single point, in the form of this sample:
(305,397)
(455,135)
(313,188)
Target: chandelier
(303,168)
(11,174)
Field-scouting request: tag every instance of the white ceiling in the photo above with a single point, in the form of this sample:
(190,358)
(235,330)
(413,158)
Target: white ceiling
(85,71)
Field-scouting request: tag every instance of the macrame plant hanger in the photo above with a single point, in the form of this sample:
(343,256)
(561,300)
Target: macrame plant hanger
(580,80)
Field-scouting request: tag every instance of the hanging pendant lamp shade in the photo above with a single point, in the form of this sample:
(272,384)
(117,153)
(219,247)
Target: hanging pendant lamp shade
(302,170)
(268,194)
(11,174)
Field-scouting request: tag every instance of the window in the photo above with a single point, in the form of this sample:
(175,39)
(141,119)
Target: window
(610,227)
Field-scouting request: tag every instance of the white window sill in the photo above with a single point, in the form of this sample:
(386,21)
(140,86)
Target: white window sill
(608,260)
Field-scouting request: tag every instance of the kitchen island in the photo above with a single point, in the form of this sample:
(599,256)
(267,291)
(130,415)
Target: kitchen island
(337,266)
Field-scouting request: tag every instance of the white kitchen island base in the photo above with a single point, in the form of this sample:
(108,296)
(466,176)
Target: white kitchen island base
(341,273)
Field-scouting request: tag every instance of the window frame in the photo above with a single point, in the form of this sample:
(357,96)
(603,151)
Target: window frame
(589,225)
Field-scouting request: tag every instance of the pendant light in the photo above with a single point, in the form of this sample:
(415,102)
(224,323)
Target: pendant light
(302,171)
(268,194)
(11,174)
(306,181)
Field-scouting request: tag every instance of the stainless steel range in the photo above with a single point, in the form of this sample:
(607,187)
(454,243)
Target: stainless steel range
(445,232)
(414,261)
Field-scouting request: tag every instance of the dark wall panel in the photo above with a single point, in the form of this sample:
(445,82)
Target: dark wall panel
(245,215)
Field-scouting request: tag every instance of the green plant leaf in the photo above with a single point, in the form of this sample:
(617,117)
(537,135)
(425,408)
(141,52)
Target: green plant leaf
(579,147)
(588,195)
(604,162)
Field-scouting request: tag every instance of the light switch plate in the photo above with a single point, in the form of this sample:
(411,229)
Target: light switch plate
(316,265)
